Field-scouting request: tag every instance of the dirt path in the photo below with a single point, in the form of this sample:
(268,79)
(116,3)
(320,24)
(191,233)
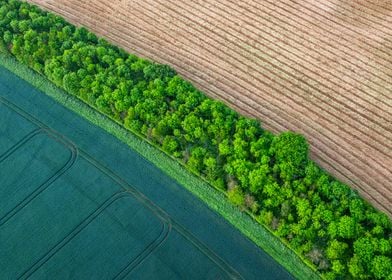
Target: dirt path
(322,69)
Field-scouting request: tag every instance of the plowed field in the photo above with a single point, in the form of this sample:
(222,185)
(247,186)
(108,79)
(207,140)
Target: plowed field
(320,68)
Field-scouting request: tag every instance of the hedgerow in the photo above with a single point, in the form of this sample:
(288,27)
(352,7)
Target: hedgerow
(271,176)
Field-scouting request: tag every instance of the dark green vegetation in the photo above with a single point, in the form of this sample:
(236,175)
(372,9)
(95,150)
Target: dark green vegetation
(324,221)
(66,215)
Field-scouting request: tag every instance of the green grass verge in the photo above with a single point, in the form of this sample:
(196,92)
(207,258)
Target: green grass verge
(214,198)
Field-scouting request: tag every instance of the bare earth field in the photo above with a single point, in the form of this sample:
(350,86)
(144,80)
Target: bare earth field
(323,69)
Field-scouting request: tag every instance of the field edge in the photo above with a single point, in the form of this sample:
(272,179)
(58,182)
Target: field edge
(214,199)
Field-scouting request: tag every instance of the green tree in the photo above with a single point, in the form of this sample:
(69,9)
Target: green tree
(356,268)
(348,227)
(154,71)
(170,145)
(336,250)
(195,161)
(258,178)
(291,154)
(338,267)
(71,83)
(381,267)
(365,248)
(357,209)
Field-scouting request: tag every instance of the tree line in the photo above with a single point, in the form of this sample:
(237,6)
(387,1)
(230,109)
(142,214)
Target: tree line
(269,175)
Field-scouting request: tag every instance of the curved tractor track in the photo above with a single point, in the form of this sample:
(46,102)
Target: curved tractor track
(321,69)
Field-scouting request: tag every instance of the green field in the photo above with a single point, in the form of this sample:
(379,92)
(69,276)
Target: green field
(67,214)
(73,212)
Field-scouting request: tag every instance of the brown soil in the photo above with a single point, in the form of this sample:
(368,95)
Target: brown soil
(322,68)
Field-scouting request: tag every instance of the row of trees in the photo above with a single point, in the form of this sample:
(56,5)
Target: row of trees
(271,176)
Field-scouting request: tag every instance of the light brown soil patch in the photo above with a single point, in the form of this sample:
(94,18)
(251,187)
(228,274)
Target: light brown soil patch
(322,68)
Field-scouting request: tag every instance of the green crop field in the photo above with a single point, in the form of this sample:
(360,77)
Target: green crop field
(66,214)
